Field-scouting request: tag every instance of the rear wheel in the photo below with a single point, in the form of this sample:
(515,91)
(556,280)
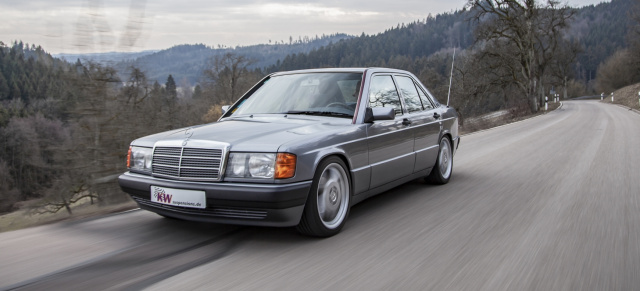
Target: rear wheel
(327,205)
(441,171)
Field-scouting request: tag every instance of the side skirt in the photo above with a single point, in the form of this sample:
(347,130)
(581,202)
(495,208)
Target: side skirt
(380,189)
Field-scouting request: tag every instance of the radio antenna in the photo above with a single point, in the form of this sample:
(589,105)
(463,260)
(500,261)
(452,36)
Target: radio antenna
(451,77)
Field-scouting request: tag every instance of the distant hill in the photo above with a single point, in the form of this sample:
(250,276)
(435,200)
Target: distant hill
(109,58)
(600,29)
(421,38)
(189,60)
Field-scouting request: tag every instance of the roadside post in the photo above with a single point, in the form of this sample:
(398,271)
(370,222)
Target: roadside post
(602,96)
(638,98)
(611,97)
(546,104)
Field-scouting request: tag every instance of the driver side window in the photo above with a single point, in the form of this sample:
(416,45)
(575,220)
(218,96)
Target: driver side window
(383,93)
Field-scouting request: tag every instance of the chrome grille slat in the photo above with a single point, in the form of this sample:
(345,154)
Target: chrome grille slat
(167,151)
(207,163)
(196,152)
(187,163)
(167,171)
(164,160)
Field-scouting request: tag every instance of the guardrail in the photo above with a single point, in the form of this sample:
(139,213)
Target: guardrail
(586,97)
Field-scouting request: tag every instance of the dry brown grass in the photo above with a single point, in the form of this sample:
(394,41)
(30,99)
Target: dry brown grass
(477,124)
(627,96)
(24,217)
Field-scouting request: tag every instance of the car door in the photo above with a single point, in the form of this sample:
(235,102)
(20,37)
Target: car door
(390,142)
(429,138)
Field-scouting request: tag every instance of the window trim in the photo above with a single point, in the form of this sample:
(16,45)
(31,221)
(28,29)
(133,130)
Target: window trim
(402,97)
(402,105)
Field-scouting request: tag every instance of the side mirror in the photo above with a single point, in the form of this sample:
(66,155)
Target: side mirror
(225,108)
(379,113)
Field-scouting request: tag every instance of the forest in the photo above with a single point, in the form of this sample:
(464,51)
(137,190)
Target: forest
(65,126)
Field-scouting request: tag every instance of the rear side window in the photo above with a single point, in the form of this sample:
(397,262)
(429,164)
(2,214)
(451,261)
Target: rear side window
(383,93)
(425,100)
(409,93)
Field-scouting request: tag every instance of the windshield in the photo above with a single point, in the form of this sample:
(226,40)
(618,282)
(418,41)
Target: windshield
(333,94)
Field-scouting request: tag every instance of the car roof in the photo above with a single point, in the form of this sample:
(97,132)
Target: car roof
(341,70)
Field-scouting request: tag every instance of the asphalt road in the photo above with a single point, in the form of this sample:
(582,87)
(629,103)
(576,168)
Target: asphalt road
(550,203)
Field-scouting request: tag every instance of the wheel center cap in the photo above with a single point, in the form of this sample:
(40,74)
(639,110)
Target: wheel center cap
(333,195)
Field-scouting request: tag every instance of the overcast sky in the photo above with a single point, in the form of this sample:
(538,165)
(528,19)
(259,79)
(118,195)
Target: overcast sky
(81,26)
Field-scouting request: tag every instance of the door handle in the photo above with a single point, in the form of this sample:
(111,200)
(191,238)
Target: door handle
(406,122)
(436,115)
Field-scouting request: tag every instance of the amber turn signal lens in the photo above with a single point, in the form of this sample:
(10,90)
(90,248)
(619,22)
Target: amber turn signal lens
(285,166)
(129,158)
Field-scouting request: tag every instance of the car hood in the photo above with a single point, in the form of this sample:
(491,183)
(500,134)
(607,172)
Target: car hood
(256,133)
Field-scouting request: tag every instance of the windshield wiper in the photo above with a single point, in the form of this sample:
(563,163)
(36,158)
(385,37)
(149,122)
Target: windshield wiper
(330,113)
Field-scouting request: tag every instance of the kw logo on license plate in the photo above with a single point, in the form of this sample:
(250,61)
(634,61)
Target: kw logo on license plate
(161,196)
(179,197)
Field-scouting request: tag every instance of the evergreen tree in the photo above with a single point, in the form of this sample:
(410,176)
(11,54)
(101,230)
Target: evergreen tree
(15,91)
(156,90)
(4,88)
(170,86)
(197,92)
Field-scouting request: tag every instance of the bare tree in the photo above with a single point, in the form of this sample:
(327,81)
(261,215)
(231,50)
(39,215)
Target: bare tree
(64,193)
(615,72)
(529,34)
(228,76)
(562,66)
(137,88)
(100,132)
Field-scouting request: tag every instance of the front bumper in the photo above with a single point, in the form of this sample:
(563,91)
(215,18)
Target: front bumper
(228,203)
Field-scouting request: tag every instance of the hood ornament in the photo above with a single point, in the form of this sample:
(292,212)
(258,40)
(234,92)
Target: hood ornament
(188,133)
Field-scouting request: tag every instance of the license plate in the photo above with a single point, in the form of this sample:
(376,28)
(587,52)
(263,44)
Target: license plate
(178,197)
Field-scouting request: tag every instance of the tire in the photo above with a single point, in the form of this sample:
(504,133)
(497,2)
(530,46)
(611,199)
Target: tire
(441,171)
(327,207)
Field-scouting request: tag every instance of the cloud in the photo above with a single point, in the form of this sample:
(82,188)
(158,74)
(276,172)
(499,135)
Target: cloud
(279,9)
(95,25)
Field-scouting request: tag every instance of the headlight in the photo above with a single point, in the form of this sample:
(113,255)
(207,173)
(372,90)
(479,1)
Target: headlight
(251,165)
(139,159)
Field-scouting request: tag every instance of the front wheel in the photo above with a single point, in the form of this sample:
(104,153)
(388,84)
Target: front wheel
(327,205)
(441,171)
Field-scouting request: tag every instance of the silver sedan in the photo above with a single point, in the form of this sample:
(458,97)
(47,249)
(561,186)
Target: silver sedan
(298,149)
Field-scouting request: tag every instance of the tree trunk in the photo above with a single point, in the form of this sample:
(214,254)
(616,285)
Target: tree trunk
(67,207)
(541,95)
(564,88)
(533,103)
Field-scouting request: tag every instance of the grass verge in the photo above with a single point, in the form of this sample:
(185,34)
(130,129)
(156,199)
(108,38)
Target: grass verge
(472,125)
(24,218)
(627,96)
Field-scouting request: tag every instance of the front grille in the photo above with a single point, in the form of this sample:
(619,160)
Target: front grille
(188,163)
